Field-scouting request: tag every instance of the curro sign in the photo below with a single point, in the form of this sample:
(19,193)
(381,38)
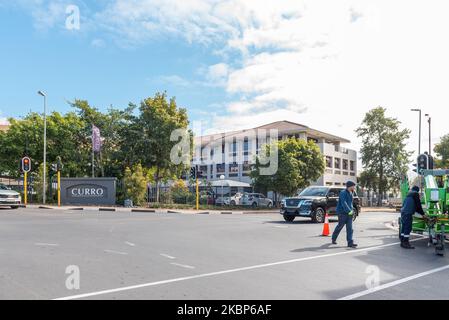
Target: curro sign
(91,191)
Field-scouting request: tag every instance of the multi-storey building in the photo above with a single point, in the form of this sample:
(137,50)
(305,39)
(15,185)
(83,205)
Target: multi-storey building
(231,154)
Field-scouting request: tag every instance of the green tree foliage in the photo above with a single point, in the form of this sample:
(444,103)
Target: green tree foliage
(159,117)
(299,164)
(442,151)
(383,150)
(135,184)
(180,193)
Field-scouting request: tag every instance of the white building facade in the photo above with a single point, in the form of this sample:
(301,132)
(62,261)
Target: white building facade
(232,153)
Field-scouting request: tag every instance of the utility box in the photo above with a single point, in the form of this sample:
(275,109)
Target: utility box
(88,191)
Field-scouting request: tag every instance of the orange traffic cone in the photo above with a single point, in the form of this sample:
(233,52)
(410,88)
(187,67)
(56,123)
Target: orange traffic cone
(326,230)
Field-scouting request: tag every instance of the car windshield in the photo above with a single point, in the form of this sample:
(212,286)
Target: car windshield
(314,192)
(3,187)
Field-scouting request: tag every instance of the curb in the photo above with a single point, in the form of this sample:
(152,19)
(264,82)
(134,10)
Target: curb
(107,209)
(205,212)
(143,210)
(226,212)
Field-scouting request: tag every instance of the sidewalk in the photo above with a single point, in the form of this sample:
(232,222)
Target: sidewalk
(150,210)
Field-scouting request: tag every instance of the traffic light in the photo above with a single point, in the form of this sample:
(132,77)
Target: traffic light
(26,164)
(193,173)
(59,165)
(423,163)
(54,167)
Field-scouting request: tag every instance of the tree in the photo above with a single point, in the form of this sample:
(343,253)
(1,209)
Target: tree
(299,164)
(383,149)
(159,117)
(135,184)
(442,151)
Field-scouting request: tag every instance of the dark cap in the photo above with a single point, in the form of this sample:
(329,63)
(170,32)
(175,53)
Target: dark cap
(415,189)
(350,184)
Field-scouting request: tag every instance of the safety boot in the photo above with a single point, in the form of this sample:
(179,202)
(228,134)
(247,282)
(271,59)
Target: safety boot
(406,244)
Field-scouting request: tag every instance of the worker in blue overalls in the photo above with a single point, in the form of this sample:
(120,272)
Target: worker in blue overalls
(345,211)
(411,204)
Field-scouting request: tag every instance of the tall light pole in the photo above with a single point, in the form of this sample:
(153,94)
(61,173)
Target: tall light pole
(45,145)
(429,120)
(419,142)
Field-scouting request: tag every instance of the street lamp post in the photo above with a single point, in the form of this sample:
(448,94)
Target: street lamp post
(419,142)
(45,145)
(222,177)
(429,120)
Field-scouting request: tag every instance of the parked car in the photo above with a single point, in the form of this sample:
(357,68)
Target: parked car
(234,200)
(9,198)
(315,202)
(256,200)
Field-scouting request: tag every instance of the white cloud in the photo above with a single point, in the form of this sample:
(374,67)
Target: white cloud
(320,62)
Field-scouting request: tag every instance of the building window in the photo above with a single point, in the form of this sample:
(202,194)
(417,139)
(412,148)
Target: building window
(328,162)
(337,163)
(245,146)
(352,165)
(220,169)
(345,164)
(233,170)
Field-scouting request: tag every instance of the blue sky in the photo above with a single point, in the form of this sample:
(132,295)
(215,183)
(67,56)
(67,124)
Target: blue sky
(67,65)
(233,63)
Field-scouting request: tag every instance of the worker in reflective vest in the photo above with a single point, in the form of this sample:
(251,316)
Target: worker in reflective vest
(411,204)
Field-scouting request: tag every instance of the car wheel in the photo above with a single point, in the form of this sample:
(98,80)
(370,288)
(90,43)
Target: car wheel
(318,215)
(270,205)
(14,207)
(232,203)
(254,205)
(289,218)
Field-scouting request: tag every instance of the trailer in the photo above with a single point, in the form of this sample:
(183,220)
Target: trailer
(435,200)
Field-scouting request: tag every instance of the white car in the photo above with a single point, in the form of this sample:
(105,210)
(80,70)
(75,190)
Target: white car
(229,201)
(9,198)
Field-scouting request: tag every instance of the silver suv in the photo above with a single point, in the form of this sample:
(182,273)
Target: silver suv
(256,200)
(9,198)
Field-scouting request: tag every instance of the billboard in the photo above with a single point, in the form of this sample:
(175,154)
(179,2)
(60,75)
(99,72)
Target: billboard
(88,191)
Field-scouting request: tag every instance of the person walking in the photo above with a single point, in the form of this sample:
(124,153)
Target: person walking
(411,204)
(345,213)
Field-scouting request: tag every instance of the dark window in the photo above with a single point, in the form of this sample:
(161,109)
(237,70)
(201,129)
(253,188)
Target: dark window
(352,165)
(337,163)
(345,164)
(329,162)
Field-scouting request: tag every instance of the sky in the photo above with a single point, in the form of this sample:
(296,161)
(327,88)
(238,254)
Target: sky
(233,63)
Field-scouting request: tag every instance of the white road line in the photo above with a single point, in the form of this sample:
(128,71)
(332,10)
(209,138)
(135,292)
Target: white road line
(283,227)
(167,256)
(182,265)
(211,274)
(393,283)
(46,244)
(130,244)
(116,252)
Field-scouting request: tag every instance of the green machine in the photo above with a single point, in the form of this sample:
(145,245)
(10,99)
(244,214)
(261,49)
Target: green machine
(435,200)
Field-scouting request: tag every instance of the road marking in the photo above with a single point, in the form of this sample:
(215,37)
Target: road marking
(116,252)
(167,256)
(393,283)
(46,244)
(182,265)
(283,227)
(211,274)
(130,244)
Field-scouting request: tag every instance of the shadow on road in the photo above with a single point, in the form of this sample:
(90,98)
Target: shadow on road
(317,249)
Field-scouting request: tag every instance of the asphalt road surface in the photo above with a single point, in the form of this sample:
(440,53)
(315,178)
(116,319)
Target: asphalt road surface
(188,256)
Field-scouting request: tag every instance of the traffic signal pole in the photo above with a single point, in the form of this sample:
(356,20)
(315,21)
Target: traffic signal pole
(25,188)
(197,195)
(59,188)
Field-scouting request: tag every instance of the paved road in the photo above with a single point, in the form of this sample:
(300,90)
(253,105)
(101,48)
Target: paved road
(187,256)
